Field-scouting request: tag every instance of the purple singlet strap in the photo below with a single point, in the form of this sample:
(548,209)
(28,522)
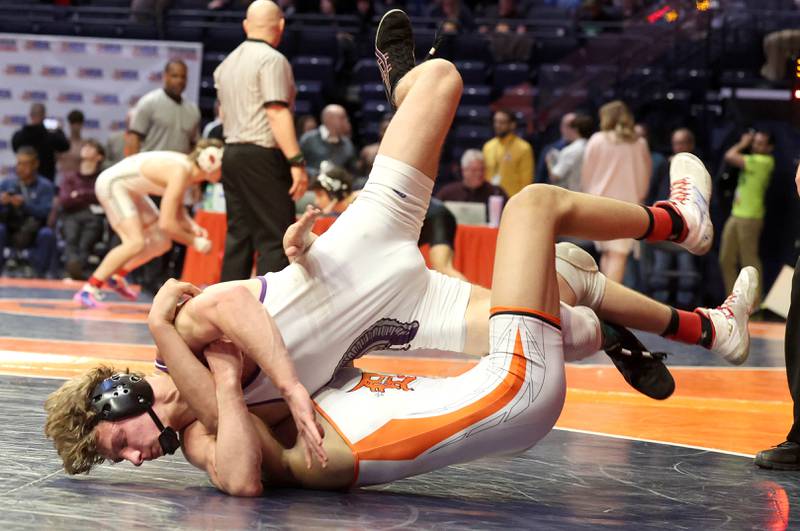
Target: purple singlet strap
(263,289)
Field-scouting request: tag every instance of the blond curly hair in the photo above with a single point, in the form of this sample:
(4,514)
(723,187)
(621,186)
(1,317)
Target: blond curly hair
(71,420)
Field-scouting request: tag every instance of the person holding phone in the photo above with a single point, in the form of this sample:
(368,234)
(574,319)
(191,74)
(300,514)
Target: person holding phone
(43,135)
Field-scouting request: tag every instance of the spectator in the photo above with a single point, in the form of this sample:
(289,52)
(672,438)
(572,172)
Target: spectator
(69,160)
(333,189)
(474,187)
(46,142)
(368,153)
(115,145)
(305,123)
(213,129)
(329,141)
(658,160)
(616,164)
(541,166)
(453,11)
(686,284)
(163,120)
(786,456)
(263,168)
(509,159)
(25,202)
(742,231)
(780,47)
(81,216)
(564,166)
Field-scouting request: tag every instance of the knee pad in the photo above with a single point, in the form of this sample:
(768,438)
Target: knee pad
(581,332)
(580,271)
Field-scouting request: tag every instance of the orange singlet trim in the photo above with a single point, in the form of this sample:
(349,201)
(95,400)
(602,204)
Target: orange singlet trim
(547,317)
(406,439)
(345,439)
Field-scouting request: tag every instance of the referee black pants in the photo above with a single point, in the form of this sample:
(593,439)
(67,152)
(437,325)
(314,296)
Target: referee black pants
(793,352)
(259,209)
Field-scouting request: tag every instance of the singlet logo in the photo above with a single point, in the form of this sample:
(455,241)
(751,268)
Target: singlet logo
(379,383)
(384,334)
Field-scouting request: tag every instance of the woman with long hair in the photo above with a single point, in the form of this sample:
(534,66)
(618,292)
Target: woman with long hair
(616,164)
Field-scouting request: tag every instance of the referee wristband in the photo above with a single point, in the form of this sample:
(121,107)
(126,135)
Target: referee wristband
(297,160)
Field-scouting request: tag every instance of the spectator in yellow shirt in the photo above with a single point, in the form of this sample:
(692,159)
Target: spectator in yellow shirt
(509,159)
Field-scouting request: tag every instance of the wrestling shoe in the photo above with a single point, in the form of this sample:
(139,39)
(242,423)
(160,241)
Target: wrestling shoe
(394,50)
(689,194)
(89,297)
(730,336)
(785,456)
(120,285)
(643,370)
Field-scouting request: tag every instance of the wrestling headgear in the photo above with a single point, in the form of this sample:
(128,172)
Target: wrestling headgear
(126,395)
(210,159)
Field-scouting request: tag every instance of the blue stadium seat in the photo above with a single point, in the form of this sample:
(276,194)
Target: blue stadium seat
(319,68)
(510,74)
(473,114)
(223,38)
(57,27)
(555,75)
(371,91)
(184,32)
(310,90)
(476,95)
(470,47)
(373,110)
(552,50)
(472,135)
(139,31)
(473,72)
(366,71)
(302,107)
(317,41)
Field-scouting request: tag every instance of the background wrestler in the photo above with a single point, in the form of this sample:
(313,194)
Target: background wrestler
(145,231)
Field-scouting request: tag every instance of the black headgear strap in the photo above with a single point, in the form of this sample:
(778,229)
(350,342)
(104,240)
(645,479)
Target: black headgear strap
(168,439)
(126,395)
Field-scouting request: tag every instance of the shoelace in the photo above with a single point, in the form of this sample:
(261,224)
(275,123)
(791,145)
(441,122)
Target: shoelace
(680,190)
(725,307)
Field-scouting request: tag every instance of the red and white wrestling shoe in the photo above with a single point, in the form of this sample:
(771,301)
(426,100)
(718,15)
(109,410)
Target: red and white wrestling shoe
(731,339)
(689,194)
(89,297)
(120,285)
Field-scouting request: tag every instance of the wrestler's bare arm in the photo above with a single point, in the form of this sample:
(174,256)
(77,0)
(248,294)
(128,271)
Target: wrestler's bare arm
(172,210)
(234,313)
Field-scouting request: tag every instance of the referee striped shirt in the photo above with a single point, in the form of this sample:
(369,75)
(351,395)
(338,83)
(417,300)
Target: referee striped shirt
(253,75)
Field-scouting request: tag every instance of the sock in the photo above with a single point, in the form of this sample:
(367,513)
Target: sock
(693,328)
(666,224)
(95,283)
(122,272)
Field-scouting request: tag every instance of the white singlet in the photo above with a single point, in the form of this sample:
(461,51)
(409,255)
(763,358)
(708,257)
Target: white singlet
(398,426)
(123,190)
(364,286)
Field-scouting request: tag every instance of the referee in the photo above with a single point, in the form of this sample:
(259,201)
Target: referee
(263,170)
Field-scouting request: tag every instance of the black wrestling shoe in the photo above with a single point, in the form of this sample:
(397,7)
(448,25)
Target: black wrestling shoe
(785,456)
(643,370)
(394,50)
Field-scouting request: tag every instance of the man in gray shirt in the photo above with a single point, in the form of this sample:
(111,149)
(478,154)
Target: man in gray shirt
(329,141)
(163,119)
(263,169)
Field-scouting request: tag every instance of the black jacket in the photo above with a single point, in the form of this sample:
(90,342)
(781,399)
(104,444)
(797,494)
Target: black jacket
(45,142)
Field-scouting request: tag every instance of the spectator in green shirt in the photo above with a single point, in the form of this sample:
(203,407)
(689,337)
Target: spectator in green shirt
(739,246)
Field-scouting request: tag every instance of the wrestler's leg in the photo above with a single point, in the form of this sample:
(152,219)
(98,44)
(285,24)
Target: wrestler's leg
(427,98)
